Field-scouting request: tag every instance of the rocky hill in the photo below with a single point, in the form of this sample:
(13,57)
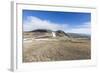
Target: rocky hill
(44,33)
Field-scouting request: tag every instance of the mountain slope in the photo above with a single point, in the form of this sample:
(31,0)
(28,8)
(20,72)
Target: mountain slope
(44,33)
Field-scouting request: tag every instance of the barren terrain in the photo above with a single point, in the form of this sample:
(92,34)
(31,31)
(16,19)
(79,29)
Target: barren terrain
(56,49)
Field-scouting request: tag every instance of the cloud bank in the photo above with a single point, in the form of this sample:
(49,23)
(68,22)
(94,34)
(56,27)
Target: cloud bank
(33,23)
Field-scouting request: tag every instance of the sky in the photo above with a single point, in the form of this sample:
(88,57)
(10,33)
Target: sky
(72,22)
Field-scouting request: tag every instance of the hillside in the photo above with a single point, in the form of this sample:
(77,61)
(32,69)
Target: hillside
(43,33)
(46,45)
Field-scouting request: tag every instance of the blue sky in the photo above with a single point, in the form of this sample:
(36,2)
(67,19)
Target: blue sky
(73,22)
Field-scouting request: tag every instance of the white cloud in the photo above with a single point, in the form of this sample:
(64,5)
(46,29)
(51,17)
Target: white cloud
(83,28)
(33,23)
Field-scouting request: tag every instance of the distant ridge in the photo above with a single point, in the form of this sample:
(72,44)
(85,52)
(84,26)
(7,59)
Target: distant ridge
(58,33)
(41,30)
